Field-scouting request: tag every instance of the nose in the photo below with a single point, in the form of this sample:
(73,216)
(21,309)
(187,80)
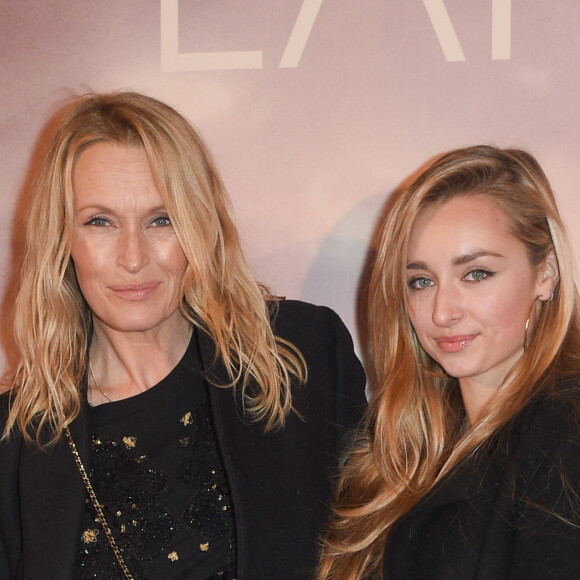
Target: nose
(447,308)
(133,251)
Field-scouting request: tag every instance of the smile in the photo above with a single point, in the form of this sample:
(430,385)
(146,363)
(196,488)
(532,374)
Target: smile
(135,292)
(455,343)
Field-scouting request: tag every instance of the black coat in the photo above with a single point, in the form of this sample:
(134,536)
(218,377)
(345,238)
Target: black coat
(511,512)
(280,481)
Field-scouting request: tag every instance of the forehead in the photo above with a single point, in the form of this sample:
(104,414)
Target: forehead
(111,156)
(107,169)
(461,224)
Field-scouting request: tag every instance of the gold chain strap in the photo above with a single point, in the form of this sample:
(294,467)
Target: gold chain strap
(100,515)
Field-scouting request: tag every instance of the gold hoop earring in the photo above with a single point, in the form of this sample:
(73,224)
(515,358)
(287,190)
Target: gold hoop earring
(527,326)
(526,333)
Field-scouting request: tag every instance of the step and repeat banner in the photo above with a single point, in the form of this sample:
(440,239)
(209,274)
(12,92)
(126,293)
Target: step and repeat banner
(316,110)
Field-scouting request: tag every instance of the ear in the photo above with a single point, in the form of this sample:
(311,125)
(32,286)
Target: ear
(548,276)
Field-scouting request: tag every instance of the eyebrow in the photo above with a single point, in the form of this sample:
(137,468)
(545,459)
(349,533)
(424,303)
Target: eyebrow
(474,256)
(464,259)
(105,209)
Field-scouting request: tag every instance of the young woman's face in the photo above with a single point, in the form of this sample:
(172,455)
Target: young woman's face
(128,260)
(471,288)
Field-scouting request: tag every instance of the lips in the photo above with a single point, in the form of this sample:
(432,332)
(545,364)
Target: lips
(455,343)
(135,292)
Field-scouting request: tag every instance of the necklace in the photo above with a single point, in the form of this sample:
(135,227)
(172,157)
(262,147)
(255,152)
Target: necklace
(98,509)
(95,382)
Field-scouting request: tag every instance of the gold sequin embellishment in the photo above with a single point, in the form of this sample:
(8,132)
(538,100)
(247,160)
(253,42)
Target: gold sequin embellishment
(130,442)
(90,536)
(204,547)
(173,556)
(186,419)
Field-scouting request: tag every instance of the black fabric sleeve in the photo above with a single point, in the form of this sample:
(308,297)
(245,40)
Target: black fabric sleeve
(10,533)
(547,538)
(327,346)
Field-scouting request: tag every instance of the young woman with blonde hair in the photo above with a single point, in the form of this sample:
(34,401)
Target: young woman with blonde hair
(469,465)
(169,418)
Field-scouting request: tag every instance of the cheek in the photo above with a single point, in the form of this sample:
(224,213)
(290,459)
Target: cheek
(509,308)
(170,259)
(419,315)
(173,258)
(88,262)
(93,263)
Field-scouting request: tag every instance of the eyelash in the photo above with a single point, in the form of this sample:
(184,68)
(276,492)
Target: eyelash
(101,222)
(486,274)
(164,218)
(92,222)
(412,283)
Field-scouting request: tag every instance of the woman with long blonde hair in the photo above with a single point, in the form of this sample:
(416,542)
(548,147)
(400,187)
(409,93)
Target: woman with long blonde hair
(469,464)
(169,417)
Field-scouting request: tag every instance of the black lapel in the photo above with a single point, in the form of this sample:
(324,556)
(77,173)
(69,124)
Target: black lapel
(52,496)
(222,405)
(279,480)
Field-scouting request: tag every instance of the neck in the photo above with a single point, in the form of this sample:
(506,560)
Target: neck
(126,364)
(475,396)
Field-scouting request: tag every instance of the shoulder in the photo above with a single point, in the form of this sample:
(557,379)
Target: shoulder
(5,402)
(317,331)
(10,446)
(285,310)
(333,367)
(549,442)
(539,449)
(295,320)
(548,505)
(555,414)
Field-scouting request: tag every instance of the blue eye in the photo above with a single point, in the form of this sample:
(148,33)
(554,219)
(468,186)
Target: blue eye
(97,221)
(420,282)
(162,221)
(478,275)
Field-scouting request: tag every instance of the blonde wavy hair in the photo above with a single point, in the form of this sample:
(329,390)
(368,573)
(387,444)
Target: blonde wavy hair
(413,433)
(219,294)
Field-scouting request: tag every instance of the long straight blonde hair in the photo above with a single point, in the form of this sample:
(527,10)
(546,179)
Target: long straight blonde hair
(219,294)
(413,434)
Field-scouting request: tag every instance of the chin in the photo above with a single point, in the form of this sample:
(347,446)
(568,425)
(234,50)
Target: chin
(132,325)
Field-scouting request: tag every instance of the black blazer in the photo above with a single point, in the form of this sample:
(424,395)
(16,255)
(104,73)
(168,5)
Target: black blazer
(512,512)
(280,481)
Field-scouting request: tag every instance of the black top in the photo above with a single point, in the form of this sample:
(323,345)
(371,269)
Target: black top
(280,480)
(157,473)
(511,511)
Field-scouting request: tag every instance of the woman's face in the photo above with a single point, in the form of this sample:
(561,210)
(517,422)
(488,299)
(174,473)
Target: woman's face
(471,288)
(128,261)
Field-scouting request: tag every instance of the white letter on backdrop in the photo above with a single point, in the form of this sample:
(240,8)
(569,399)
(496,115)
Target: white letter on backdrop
(501,24)
(173,61)
(444,30)
(300,33)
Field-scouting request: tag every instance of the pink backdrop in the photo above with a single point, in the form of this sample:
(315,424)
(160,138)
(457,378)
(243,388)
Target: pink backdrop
(316,110)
